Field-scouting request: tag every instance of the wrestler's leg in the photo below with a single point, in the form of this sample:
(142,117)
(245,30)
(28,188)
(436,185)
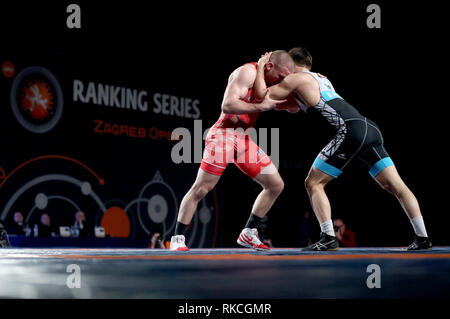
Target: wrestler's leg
(272,185)
(390,180)
(204,183)
(315,186)
(254,162)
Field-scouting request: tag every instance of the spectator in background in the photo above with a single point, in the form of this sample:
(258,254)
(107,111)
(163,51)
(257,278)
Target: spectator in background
(157,241)
(44,227)
(84,227)
(345,236)
(4,240)
(18,227)
(305,239)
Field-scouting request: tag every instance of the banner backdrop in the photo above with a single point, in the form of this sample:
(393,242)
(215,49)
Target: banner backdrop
(74,138)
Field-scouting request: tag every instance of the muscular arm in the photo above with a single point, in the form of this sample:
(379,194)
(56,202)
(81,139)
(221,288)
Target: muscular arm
(260,87)
(301,84)
(240,81)
(283,89)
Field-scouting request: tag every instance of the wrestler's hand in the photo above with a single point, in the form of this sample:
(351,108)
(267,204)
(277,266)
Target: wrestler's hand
(268,103)
(290,105)
(264,59)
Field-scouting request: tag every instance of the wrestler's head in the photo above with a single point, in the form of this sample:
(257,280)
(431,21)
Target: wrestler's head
(279,66)
(301,57)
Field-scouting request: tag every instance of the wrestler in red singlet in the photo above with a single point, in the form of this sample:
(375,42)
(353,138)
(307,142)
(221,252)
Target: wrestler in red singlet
(227,142)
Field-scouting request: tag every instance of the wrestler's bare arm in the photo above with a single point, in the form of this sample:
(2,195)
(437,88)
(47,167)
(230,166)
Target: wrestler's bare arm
(301,84)
(283,89)
(239,82)
(260,87)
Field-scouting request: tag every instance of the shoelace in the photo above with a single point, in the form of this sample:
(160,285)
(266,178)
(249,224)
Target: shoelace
(255,236)
(318,246)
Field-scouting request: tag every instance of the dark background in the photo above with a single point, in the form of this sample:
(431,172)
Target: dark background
(394,75)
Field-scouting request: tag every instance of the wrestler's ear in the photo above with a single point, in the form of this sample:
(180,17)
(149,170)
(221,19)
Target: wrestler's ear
(269,65)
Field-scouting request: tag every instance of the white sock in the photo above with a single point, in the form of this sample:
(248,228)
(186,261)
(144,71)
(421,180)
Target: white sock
(419,226)
(327,228)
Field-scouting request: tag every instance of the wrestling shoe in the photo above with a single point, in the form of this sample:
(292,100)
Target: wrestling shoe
(326,242)
(249,238)
(177,243)
(420,243)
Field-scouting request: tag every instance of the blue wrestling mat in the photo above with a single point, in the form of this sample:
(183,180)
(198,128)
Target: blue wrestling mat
(225,273)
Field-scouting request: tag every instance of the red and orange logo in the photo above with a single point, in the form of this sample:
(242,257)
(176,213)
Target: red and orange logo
(38,100)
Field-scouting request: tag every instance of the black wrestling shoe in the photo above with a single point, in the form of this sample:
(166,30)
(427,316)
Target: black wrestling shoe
(420,243)
(4,241)
(326,242)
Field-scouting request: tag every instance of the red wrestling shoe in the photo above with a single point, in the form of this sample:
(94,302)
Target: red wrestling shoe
(249,238)
(177,243)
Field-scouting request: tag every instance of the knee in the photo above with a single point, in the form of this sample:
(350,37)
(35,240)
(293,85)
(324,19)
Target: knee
(395,189)
(387,187)
(278,187)
(274,186)
(309,184)
(200,190)
(312,184)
